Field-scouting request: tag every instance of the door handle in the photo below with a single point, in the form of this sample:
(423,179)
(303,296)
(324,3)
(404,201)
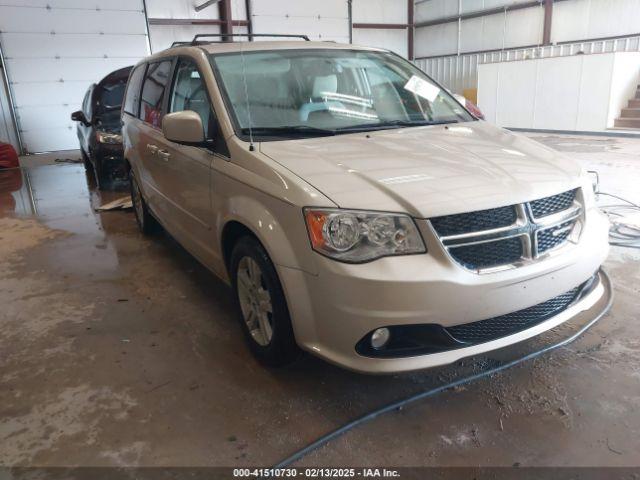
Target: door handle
(163,154)
(152,148)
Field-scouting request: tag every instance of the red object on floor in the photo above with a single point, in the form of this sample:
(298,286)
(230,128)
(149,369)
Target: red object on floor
(8,156)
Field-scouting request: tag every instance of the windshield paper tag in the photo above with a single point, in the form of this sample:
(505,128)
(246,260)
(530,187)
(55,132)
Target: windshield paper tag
(422,88)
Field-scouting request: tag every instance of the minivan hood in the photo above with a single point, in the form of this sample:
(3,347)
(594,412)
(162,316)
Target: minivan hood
(427,171)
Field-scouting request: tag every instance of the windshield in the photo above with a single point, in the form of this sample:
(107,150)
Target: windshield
(110,95)
(315,92)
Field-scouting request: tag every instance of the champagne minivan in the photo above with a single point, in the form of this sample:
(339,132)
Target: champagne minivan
(357,210)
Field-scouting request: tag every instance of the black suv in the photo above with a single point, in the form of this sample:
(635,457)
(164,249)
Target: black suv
(99,128)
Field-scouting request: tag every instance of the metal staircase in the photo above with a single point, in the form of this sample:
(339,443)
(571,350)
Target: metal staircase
(630,116)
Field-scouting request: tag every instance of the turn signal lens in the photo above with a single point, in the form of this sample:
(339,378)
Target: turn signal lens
(358,236)
(315,224)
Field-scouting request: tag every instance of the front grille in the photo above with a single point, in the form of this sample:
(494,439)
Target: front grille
(554,236)
(504,325)
(501,237)
(488,254)
(553,204)
(475,221)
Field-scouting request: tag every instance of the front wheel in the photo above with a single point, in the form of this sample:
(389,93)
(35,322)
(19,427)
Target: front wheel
(87,163)
(262,305)
(102,177)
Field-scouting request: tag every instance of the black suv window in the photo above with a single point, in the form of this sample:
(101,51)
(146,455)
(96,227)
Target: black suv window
(153,89)
(86,103)
(132,97)
(190,93)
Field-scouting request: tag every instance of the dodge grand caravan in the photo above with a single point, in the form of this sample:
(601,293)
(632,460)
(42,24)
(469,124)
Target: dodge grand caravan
(358,211)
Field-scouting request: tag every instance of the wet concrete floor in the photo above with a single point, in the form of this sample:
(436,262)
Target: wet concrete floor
(116,349)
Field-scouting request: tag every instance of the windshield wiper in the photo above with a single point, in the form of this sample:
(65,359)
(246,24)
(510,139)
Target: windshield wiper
(393,124)
(287,130)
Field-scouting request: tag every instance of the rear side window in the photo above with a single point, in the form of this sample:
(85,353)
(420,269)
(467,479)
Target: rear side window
(132,98)
(85,103)
(153,92)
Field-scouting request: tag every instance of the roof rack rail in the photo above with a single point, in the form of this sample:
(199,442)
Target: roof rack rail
(179,44)
(196,40)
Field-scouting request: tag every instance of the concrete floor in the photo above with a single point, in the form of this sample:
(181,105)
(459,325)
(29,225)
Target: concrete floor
(117,349)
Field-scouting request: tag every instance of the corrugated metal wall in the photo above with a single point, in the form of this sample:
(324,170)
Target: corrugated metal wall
(460,72)
(381,11)
(450,46)
(325,20)
(510,29)
(584,19)
(56,48)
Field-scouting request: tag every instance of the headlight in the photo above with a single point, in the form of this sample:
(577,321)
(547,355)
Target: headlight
(358,236)
(106,137)
(589,184)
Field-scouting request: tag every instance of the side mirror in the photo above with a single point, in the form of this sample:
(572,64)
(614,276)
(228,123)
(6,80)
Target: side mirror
(79,117)
(183,127)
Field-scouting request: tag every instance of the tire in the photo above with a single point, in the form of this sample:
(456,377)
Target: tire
(146,222)
(101,177)
(87,163)
(264,308)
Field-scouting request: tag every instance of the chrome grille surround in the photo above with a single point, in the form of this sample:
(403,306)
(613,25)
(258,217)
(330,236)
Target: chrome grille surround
(540,236)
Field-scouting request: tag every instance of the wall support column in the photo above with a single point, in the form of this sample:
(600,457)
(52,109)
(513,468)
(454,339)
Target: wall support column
(247,5)
(410,29)
(548,16)
(224,7)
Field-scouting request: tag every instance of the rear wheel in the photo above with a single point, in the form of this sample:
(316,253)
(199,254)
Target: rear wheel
(146,222)
(262,305)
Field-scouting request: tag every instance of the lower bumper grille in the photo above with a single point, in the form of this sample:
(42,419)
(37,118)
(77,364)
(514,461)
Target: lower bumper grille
(421,339)
(504,325)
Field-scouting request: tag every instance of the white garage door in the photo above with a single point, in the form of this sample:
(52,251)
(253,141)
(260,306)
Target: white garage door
(55,49)
(320,20)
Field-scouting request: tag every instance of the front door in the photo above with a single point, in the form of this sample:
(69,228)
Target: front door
(186,170)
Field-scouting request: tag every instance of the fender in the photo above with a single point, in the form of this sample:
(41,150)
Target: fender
(278,225)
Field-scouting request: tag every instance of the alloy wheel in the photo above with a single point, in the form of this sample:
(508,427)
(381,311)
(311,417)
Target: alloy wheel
(255,301)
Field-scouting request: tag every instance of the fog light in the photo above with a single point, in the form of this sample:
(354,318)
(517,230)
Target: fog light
(380,337)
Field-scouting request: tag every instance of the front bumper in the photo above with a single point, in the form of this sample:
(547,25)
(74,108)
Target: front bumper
(111,159)
(334,310)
